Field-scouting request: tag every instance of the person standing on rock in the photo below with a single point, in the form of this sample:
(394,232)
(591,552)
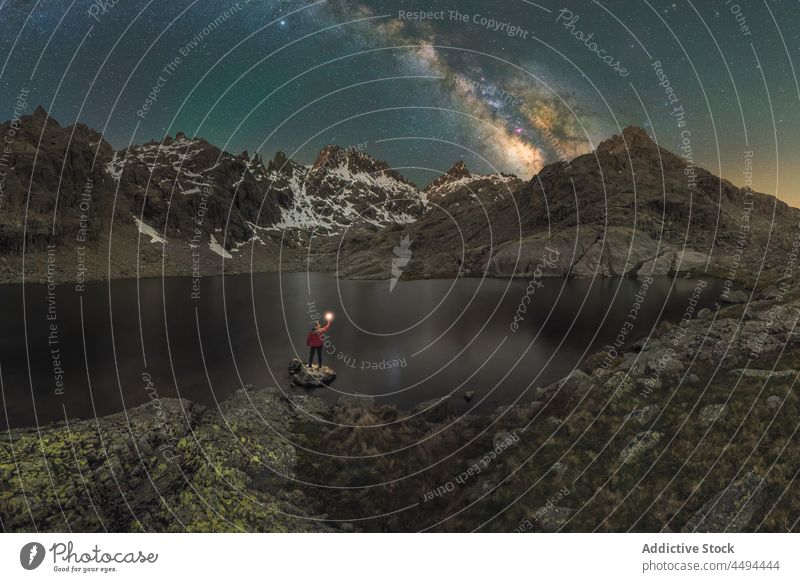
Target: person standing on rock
(315,341)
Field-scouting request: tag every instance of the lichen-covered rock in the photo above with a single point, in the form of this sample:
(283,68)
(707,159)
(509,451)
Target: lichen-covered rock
(576,384)
(774,402)
(504,440)
(94,475)
(712,413)
(619,383)
(164,466)
(302,375)
(735,297)
(552,519)
(307,407)
(765,374)
(733,509)
(642,442)
(644,415)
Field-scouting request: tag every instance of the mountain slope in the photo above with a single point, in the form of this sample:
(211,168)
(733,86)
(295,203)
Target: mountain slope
(633,207)
(458,186)
(344,187)
(183,194)
(628,208)
(55,176)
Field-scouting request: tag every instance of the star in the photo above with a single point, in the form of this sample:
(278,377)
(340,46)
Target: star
(506,98)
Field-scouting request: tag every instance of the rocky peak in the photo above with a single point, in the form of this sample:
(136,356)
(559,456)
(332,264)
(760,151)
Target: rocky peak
(278,162)
(35,122)
(184,140)
(281,164)
(633,140)
(457,172)
(332,156)
(47,133)
(634,132)
(353,161)
(39,113)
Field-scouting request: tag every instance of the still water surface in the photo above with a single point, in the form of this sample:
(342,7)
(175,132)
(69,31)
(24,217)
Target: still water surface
(419,341)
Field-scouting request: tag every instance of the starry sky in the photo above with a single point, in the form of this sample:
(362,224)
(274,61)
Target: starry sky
(505,85)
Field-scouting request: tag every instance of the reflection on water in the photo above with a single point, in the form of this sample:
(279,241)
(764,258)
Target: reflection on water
(422,340)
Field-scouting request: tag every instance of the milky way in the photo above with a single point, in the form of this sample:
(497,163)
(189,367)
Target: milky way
(506,86)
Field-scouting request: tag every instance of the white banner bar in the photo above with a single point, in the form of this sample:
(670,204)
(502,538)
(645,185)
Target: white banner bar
(399,557)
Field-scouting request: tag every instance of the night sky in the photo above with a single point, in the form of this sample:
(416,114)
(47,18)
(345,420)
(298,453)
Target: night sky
(505,85)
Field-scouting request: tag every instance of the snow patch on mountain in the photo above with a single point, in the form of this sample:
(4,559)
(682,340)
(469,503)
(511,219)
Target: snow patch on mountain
(149,231)
(342,189)
(485,187)
(217,248)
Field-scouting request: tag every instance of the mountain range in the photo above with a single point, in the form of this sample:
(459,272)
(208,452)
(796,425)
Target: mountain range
(181,205)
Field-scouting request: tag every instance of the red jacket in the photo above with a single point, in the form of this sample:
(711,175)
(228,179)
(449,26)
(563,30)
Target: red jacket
(314,338)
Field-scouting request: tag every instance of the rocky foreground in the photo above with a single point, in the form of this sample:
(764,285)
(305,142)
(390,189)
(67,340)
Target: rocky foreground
(692,429)
(165,466)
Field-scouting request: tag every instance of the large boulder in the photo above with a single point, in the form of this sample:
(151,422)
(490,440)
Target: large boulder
(733,509)
(619,383)
(578,383)
(765,374)
(302,375)
(735,297)
(774,402)
(641,443)
(712,413)
(643,415)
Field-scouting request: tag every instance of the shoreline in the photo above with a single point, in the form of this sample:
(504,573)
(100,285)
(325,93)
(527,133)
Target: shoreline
(62,279)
